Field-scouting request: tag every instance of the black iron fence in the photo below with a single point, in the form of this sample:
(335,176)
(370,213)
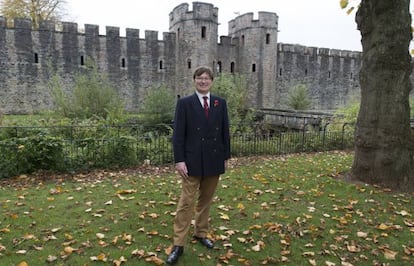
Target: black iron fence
(75,148)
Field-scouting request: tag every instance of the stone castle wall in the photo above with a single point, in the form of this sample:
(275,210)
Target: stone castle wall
(30,58)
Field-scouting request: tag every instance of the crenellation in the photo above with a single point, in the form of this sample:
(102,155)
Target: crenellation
(22,23)
(3,22)
(112,32)
(91,29)
(46,25)
(226,40)
(69,27)
(268,20)
(151,35)
(246,21)
(132,33)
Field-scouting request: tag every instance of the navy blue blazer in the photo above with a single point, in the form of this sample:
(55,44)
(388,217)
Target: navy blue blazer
(202,143)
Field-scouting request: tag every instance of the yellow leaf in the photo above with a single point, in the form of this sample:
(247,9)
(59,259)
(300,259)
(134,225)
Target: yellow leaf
(343,3)
(241,239)
(155,260)
(69,250)
(350,10)
(389,254)
(240,206)
(362,234)
(126,191)
(403,213)
(383,226)
(308,254)
(102,257)
(23,263)
(256,247)
(118,262)
(224,216)
(51,258)
(100,235)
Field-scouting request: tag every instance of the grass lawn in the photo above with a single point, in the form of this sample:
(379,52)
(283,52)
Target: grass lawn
(287,210)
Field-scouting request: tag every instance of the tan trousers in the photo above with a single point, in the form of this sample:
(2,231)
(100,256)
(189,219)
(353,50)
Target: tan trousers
(190,186)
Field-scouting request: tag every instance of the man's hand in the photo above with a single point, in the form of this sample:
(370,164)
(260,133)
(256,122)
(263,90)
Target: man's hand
(181,168)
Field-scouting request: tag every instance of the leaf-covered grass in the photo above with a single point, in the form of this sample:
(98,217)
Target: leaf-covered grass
(288,210)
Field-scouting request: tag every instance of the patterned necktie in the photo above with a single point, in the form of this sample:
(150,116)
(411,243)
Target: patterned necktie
(205,105)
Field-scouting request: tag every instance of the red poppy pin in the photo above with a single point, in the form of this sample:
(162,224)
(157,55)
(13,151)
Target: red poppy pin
(216,103)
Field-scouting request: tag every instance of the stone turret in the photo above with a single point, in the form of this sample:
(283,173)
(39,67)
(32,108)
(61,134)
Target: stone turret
(196,41)
(257,56)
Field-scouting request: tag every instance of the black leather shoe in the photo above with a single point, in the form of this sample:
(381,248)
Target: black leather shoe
(205,242)
(175,254)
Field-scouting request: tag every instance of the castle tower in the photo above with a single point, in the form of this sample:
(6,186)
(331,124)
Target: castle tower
(257,55)
(196,41)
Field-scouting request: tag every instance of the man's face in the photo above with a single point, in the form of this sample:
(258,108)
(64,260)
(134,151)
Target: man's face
(203,83)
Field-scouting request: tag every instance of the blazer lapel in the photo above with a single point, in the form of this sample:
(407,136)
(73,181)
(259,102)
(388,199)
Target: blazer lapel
(197,106)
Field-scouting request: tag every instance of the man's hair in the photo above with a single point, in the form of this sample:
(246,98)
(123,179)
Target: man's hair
(201,70)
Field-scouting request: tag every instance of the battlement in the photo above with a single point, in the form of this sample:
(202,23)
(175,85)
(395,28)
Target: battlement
(72,28)
(200,11)
(134,64)
(245,21)
(316,51)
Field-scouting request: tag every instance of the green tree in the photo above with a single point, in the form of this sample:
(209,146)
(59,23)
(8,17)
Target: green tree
(298,98)
(384,149)
(35,10)
(233,88)
(158,106)
(92,96)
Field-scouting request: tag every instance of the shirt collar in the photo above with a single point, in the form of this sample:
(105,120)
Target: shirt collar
(200,96)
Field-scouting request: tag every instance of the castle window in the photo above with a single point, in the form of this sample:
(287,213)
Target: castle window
(203,32)
(267,38)
(232,67)
(36,58)
(352,76)
(189,64)
(306,72)
(219,66)
(123,63)
(280,72)
(253,67)
(242,40)
(82,60)
(329,74)
(161,66)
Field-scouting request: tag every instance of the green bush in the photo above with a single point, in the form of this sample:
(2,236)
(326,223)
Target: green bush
(233,88)
(158,106)
(92,96)
(298,98)
(29,154)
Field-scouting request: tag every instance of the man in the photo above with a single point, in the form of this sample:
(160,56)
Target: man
(201,143)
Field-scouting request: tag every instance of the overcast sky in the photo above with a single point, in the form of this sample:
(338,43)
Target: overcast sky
(319,23)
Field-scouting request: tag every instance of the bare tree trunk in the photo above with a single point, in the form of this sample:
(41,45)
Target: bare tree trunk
(384,141)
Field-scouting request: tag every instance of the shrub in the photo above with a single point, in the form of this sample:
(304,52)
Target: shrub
(233,88)
(158,106)
(298,98)
(28,154)
(92,96)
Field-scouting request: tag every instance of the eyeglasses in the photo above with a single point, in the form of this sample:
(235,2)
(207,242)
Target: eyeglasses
(202,79)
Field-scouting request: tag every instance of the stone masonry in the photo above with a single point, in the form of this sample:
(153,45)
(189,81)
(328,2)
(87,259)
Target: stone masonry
(29,58)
